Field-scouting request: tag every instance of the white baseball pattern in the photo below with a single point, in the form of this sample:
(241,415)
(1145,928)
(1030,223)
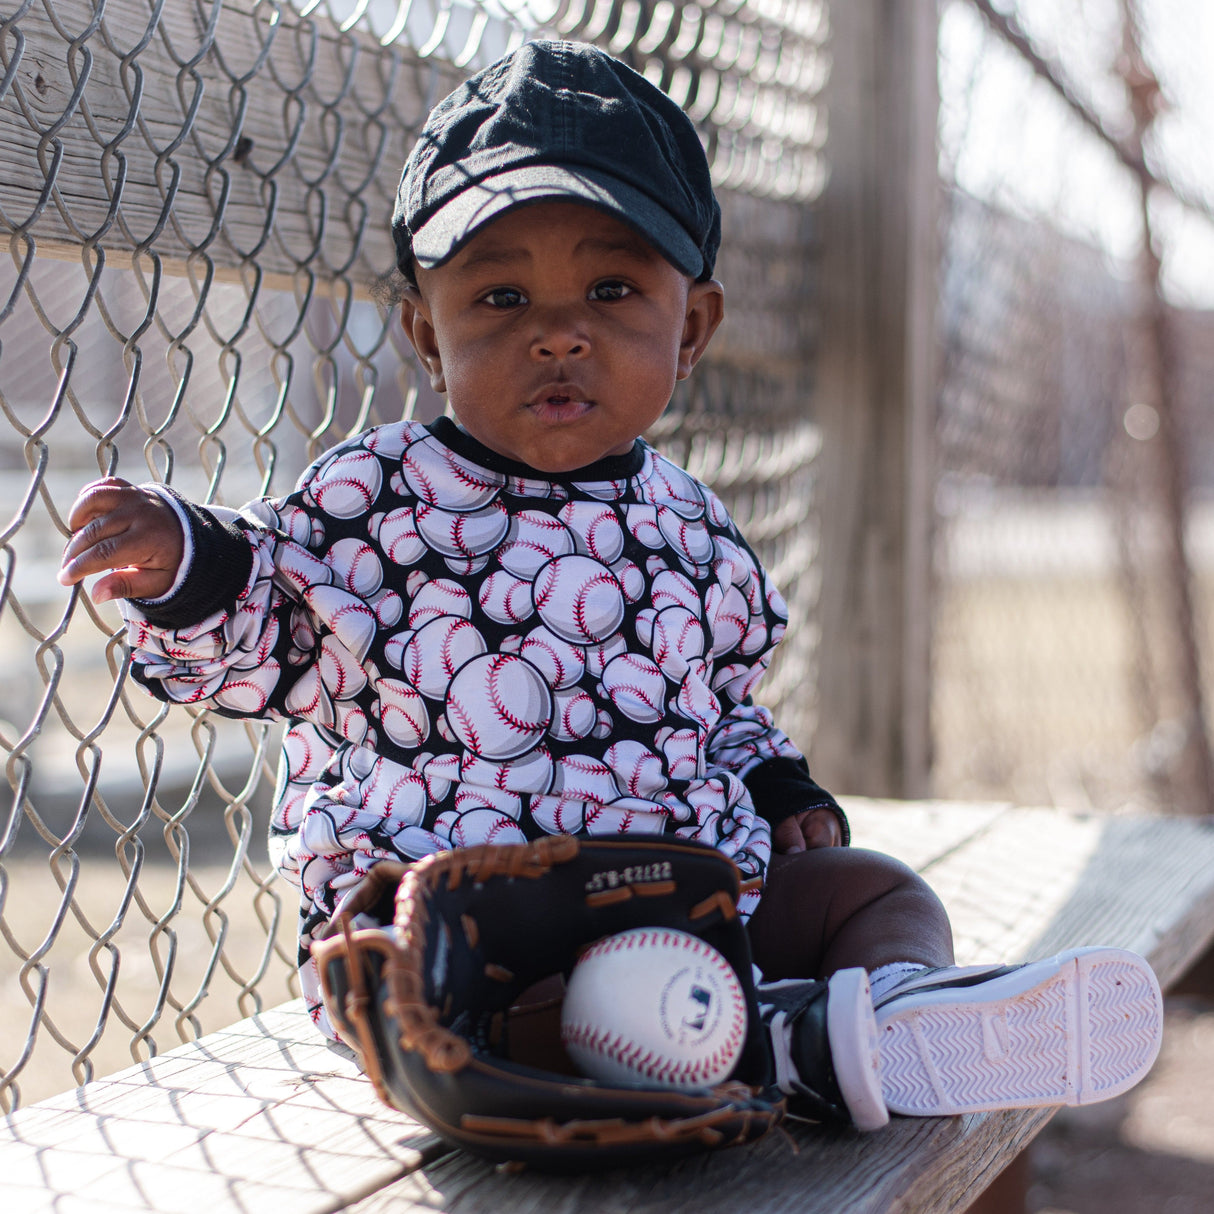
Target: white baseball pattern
(462,535)
(499,706)
(348,484)
(442,596)
(356,566)
(579,599)
(532,540)
(654,1006)
(437,650)
(582,649)
(441,478)
(505,598)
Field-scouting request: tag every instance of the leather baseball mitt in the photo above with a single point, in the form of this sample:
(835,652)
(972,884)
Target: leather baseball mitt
(439,1011)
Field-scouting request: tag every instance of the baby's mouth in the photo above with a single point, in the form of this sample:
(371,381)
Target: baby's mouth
(560,404)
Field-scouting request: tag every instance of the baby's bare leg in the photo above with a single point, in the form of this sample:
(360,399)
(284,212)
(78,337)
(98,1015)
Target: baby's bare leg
(836,907)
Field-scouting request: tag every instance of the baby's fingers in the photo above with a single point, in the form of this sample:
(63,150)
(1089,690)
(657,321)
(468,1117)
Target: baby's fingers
(130,534)
(132,583)
(101,543)
(820,828)
(97,499)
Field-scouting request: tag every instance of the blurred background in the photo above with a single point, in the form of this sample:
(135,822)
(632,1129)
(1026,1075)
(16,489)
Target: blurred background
(961,405)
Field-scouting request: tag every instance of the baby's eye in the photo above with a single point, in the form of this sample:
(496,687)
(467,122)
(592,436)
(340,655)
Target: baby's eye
(505,297)
(609,290)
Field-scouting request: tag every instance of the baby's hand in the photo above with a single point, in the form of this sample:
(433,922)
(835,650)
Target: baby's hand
(117,526)
(808,829)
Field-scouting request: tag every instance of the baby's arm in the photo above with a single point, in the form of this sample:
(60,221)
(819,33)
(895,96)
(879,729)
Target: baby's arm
(746,740)
(197,589)
(132,531)
(803,815)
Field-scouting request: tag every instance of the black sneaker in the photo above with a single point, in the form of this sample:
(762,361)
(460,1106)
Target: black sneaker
(824,1045)
(1074,1029)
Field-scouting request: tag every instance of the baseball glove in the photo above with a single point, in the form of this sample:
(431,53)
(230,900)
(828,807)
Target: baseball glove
(433,1007)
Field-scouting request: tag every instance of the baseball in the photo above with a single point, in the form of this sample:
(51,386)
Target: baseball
(655,1007)
(636,687)
(462,533)
(499,706)
(398,536)
(357,567)
(348,484)
(578,599)
(440,478)
(596,530)
(534,538)
(250,692)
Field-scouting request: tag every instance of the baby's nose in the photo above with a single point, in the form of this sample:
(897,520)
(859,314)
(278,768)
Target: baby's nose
(560,338)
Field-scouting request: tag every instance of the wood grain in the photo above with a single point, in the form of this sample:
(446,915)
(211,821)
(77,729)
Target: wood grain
(265,1116)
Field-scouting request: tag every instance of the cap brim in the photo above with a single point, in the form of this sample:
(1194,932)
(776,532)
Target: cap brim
(449,228)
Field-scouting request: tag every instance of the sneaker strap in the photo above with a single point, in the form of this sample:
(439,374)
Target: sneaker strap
(795,1013)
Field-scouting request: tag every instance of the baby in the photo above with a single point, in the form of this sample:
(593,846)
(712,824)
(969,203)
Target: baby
(521,620)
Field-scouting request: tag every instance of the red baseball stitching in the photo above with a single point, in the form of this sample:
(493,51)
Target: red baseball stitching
(633,1056)
(468,732)
(499,706)
(419,477)
(465,475)
(637,693)
(630,1056)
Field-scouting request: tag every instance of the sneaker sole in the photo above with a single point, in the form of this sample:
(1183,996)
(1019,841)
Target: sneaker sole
(1074,1029)
(851,1029)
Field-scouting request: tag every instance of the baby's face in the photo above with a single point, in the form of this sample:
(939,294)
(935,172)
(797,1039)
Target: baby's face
(558,333)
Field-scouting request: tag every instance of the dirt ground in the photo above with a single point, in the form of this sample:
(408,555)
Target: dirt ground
(1152,1150)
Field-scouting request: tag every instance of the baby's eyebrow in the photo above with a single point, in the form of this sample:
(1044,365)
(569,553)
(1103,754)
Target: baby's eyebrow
(632,246)
(491,256)
(488,256)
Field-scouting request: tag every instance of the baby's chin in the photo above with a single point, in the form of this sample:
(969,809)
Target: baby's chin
(549,444)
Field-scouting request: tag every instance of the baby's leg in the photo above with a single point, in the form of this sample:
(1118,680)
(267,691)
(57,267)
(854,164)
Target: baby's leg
(833,908)
(1071,1029)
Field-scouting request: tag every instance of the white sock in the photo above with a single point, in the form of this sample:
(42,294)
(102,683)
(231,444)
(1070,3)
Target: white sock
(886,977)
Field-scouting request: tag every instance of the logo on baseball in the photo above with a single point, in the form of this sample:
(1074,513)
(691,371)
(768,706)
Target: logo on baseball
(656,1007)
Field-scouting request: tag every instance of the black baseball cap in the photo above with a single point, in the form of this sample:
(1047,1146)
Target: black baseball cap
(557,120)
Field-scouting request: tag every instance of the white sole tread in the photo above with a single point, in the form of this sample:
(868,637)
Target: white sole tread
(1074,1029)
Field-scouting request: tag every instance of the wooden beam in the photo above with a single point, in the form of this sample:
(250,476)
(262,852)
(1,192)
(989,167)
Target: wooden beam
(874,399)
(250,141)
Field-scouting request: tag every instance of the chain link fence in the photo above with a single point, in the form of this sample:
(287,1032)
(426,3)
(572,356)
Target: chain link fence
(1075,488)
(194,206)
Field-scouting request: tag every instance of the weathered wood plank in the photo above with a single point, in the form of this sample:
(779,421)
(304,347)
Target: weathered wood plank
(262,1116)
(919,833)
(197,149)
(265,1116)
(1018,883)
(934,1165)
(1039,880)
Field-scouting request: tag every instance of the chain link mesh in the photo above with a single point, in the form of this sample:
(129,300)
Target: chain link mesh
(1074,428)
(194,205)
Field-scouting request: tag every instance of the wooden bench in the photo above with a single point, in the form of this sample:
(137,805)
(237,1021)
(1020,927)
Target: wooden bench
(265,1116)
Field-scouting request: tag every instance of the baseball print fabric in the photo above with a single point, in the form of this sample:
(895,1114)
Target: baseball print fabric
(473,652)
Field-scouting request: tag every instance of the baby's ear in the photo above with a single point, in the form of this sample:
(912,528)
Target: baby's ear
(705,311)
(415,320)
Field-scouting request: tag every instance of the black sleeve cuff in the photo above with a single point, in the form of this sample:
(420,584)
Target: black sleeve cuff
(219,570)
(782,787)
